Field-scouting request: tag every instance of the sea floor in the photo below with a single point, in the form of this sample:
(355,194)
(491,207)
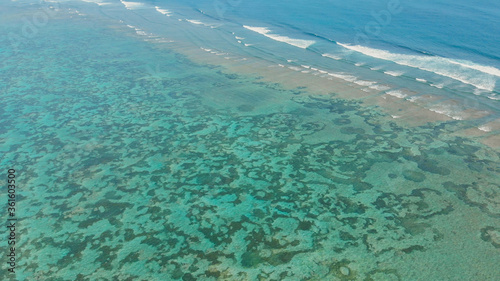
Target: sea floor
(136,163)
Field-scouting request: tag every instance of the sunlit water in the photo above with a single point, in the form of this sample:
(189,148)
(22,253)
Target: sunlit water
(137,163)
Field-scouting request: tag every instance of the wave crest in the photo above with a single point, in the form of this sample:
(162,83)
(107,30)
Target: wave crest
(479,76)
(301,43)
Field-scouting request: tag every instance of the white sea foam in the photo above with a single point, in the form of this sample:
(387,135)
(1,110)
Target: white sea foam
(413,98)
(397,94)
(164,11)
(195,22)
(421,80)
(98,2)
(142,32)
(239,38)
(485,69)
(348,78)
(133,5)
(479,76)
(446,110)
(494,97)
(332,56)
(394,73)
(365,83)
(379,87)
(359,64)
(484,128)
(304,44)
(478,92)
(439,86)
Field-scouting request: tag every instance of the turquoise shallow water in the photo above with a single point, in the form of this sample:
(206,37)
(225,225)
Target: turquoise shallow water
(135,163)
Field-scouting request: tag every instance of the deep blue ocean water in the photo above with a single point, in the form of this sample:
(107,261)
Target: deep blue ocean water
(453,29)
(449,44)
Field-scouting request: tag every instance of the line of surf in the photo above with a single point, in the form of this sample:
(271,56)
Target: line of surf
(479,76)
(133,5)
(301,43)
(163,11)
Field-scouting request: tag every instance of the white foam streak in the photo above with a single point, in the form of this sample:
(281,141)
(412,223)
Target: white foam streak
(394,73)
(479,76)
(133,5)
(98,2)
(348,78)
(195,22)
(486,69)
(439,86)
(304,44)
(445,110)
(485,128)
(365,83)
(397,94)
(413,99)
(379,87)
(332,56)
(163,11)
(494,97)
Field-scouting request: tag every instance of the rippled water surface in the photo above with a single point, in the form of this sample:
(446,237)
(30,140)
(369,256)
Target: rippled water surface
(137,163)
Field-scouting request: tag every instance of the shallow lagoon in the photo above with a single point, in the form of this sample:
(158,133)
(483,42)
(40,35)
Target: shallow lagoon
(139,164)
